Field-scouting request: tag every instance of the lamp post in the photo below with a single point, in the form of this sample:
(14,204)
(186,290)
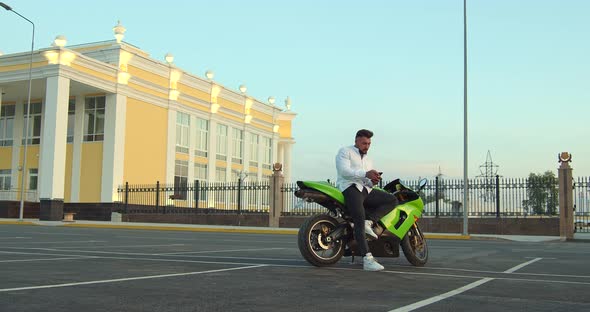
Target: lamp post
(24,167)
(242,175)
(465,154)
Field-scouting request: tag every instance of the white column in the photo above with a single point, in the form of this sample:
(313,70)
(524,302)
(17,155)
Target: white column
(171,147)
(275,149)
(52,161)
(288,149)
(113,153)
(261,155)
(212,152)
(281,153)
(17,130)
(192,143)
(230,150)
(77,148)
(246,158)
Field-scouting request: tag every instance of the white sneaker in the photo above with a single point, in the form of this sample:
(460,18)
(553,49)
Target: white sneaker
(370,264)
(369,229)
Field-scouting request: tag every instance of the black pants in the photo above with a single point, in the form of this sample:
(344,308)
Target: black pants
(377,204)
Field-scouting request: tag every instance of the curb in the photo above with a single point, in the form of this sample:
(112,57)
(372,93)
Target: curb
(186,229)
(210,230)
(447,236)
(17,223)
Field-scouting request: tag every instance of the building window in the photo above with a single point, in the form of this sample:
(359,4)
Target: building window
(267,156)
(220,174)
(94,111)
(34,124)
(5,179)
(238,146)
(71,120)
(6,125)
(222,142)
(33,176)
(201,172)
(183,122)
(202,137)
(254,150)
(180,179)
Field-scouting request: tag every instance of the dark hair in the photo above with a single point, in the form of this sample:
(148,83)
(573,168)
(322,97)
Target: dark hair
(364,133)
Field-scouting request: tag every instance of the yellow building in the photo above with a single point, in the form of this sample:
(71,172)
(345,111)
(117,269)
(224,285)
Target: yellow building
(106,113)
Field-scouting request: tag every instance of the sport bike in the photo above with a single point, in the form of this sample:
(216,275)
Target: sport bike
(325,238)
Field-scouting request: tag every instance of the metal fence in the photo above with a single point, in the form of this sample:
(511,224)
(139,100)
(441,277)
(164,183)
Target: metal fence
(582,204)
(494,197)
(15,195)
(197,197)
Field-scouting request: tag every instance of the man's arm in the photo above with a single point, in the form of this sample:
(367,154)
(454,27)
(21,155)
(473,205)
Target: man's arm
(343,165)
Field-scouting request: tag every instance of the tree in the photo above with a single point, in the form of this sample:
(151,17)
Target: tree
(541,193)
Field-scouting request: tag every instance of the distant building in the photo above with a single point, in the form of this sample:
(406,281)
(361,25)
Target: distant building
(105,113)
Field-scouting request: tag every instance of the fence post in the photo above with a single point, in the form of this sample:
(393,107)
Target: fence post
(126,195)
(436,195)
(497,196)
(276,196)
(157,196)
(566,195)
(196,188)
(239,196)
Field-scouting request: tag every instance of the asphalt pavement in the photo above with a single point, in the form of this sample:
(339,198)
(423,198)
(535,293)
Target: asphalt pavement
(265,230)
(95,266)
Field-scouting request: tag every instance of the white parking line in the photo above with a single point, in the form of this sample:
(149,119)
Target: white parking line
(520,266)
(138,253)
(49,259)
(16,237)
(434,299)
(211,251)
(491,272)
(127,279)
(457,291)
(60,242)
(121,246)
(40,254)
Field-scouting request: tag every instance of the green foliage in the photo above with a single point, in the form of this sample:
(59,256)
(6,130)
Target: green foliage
(541,193)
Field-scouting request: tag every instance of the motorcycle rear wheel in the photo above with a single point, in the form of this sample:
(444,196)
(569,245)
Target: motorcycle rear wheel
(315,245)
(415,247)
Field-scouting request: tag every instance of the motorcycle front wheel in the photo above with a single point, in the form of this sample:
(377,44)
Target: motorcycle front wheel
(415,247)
(314,243)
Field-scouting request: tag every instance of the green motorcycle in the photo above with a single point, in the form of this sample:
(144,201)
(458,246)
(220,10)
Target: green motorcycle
(325,238)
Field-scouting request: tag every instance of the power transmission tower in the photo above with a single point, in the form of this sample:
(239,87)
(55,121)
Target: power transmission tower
(489,171)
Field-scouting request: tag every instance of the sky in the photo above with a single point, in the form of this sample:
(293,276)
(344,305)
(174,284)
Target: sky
(394,67)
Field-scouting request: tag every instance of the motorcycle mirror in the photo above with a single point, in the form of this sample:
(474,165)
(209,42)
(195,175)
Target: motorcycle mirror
(422,183)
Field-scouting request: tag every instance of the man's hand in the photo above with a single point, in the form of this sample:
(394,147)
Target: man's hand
(374,176)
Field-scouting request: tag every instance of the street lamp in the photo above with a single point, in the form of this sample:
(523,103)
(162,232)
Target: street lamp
(243,88)
(465,146)
(209,74)
(22,184)
(169,58)
(242,175)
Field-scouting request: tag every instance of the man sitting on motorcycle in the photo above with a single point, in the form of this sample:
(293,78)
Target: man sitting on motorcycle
(356,178)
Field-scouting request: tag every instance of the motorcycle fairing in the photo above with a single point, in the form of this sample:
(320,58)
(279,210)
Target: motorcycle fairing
(411,209)
(327,189)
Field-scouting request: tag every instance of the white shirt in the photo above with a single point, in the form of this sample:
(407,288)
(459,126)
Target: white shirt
(351,169)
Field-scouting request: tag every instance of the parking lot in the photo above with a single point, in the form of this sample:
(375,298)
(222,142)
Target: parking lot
(46,268)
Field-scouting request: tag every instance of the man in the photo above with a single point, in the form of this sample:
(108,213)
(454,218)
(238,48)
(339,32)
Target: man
(356,178)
